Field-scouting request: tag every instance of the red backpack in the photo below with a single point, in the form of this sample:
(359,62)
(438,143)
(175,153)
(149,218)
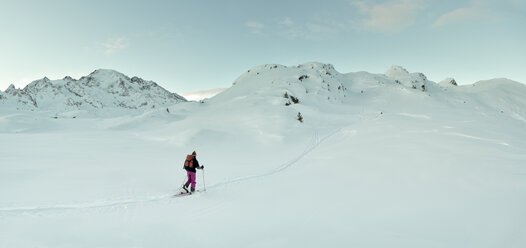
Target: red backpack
(189,162)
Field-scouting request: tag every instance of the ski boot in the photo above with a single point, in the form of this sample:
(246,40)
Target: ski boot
(185,187)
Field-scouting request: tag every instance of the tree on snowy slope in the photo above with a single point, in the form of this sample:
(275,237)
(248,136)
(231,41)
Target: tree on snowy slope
(300,117)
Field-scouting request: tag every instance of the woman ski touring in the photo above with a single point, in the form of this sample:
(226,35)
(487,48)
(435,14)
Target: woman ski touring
(190,165)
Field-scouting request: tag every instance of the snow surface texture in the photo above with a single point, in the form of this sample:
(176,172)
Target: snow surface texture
(378,161)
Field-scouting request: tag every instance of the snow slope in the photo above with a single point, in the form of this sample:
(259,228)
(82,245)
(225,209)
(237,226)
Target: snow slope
(376,162)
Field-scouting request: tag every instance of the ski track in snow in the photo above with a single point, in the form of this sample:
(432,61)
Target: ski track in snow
(416,116)
(91,205)
(499,142)
(315,142)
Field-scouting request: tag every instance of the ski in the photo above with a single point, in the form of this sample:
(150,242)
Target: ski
(182,194)
(185,193)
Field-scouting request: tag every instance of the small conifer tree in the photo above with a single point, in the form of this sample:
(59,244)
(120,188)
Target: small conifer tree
(300,117)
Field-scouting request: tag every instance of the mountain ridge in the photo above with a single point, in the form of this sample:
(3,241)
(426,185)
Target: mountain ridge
(103,88)
(309,83)
(316,86)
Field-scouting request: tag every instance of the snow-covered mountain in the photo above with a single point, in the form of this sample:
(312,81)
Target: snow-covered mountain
(102,89)
(316,85)
(378,160)
(310,83)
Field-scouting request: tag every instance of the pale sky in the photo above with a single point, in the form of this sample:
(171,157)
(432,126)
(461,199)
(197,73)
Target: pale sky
(196,44)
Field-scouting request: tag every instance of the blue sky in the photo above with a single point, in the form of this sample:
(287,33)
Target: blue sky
(194,45)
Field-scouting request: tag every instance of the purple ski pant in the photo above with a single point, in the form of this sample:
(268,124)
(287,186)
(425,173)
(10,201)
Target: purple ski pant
(191,178)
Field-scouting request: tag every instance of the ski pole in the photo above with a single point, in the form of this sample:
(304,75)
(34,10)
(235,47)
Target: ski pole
(204,185)
(184,179)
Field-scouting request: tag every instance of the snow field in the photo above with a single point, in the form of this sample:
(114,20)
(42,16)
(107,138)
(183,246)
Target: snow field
(378,165)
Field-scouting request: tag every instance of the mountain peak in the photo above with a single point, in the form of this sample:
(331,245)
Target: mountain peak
(414,80)
(39,84)
(102,71)
(11,87)
(396,70)
(106,74)
(448,82)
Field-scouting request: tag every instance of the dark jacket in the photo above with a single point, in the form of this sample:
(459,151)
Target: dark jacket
(195,165)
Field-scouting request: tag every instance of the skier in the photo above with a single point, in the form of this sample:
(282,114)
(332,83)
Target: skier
(190,164)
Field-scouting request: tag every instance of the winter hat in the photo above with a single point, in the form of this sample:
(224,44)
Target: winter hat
(194,154)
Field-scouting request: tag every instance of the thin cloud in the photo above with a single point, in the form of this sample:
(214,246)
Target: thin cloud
(255,27)
(286,22)
(318,28)
(288,28)
(313,29)
(389,17)
(462,14)
(114,45)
